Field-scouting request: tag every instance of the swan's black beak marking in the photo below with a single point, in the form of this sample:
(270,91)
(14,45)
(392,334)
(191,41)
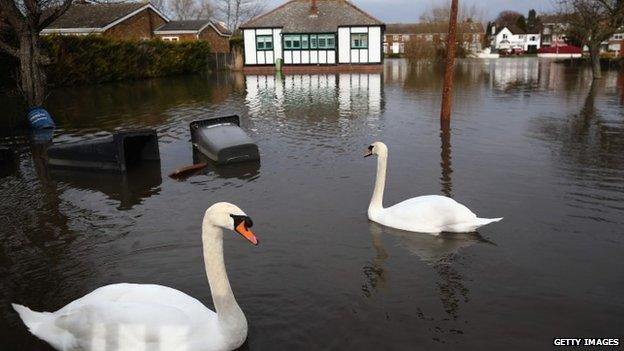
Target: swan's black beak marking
(242,225)
(369,152)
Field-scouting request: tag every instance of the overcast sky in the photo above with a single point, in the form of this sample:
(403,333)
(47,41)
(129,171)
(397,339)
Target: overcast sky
(409,10)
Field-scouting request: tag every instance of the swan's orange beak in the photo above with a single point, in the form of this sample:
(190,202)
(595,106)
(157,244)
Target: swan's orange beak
(369,152)
(242,229)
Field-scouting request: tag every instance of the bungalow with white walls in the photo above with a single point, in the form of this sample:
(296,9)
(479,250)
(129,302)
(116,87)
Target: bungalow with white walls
(312,34)
(512,37)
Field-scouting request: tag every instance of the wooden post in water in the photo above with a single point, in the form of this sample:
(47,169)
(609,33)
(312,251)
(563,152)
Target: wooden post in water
(447,89)
(446,160)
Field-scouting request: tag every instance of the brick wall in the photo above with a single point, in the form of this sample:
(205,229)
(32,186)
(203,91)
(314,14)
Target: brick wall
(436,38)
(139,26)
(218,43)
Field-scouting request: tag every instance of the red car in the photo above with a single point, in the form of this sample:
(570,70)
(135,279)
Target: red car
(512,52)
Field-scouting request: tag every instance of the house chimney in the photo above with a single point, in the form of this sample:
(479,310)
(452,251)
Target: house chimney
(313,8)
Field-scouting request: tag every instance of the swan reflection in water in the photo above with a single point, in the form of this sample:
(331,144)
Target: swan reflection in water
(438,251)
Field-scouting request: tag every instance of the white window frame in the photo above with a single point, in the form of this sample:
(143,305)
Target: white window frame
(171,38)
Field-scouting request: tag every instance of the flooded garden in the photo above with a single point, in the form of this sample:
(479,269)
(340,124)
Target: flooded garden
(531,140)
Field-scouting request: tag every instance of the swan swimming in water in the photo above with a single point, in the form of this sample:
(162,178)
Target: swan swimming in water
(154,317)
(426,214)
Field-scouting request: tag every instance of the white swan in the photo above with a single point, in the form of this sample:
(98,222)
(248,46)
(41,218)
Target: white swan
(426,214)
(154,317)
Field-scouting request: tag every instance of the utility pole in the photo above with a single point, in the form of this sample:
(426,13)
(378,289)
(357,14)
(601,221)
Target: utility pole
(447,89)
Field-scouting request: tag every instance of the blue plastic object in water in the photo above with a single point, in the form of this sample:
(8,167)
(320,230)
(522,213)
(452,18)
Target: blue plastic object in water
(39,118)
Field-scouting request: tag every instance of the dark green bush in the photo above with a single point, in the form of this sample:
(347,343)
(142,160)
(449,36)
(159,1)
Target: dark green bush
(96,59)
(236,41)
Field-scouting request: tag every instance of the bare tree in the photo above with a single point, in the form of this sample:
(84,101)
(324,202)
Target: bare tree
(438,17)
(161,5)
(235,12)
(440,12)
(26,18)
(591,22)
(507,18)
(188,9)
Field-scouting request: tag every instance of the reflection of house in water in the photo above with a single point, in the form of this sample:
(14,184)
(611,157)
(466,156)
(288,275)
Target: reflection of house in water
(512,73)
(352,95)
(396,71)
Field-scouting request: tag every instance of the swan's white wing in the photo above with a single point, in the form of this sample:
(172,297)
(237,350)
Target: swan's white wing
(135,316)
(429,214)
(133,326)
(144,293)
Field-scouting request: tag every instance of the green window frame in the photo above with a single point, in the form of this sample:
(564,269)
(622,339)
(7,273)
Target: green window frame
(264,42)
(292,42)
(326,41)
(309,41)
(359,40)
(313,41)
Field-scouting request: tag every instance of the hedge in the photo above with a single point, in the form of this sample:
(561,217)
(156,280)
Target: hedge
(97,59)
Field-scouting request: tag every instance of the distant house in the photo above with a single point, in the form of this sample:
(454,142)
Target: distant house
(214,32)
(398,35)
(133,21)
(553,32)
(614,44)
(308,33)
(512,37)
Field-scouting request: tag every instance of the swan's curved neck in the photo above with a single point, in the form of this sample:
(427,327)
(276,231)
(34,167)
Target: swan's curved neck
(228,311)
(380,182)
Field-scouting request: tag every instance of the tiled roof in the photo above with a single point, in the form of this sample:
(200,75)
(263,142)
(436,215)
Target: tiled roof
(192,25)
(432,28)
(512,28)
(91,15)
(221,28)
(294,17)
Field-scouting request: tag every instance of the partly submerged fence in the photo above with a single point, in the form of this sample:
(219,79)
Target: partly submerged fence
(219,61)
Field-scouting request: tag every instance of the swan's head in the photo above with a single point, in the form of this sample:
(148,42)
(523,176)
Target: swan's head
(377,148)
(229,216)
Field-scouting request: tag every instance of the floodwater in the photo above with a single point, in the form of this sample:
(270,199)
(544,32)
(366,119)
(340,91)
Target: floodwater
(532,141)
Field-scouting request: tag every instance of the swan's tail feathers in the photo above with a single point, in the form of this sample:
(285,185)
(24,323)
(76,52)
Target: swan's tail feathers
(484,221)
(43,326)
(32,319)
